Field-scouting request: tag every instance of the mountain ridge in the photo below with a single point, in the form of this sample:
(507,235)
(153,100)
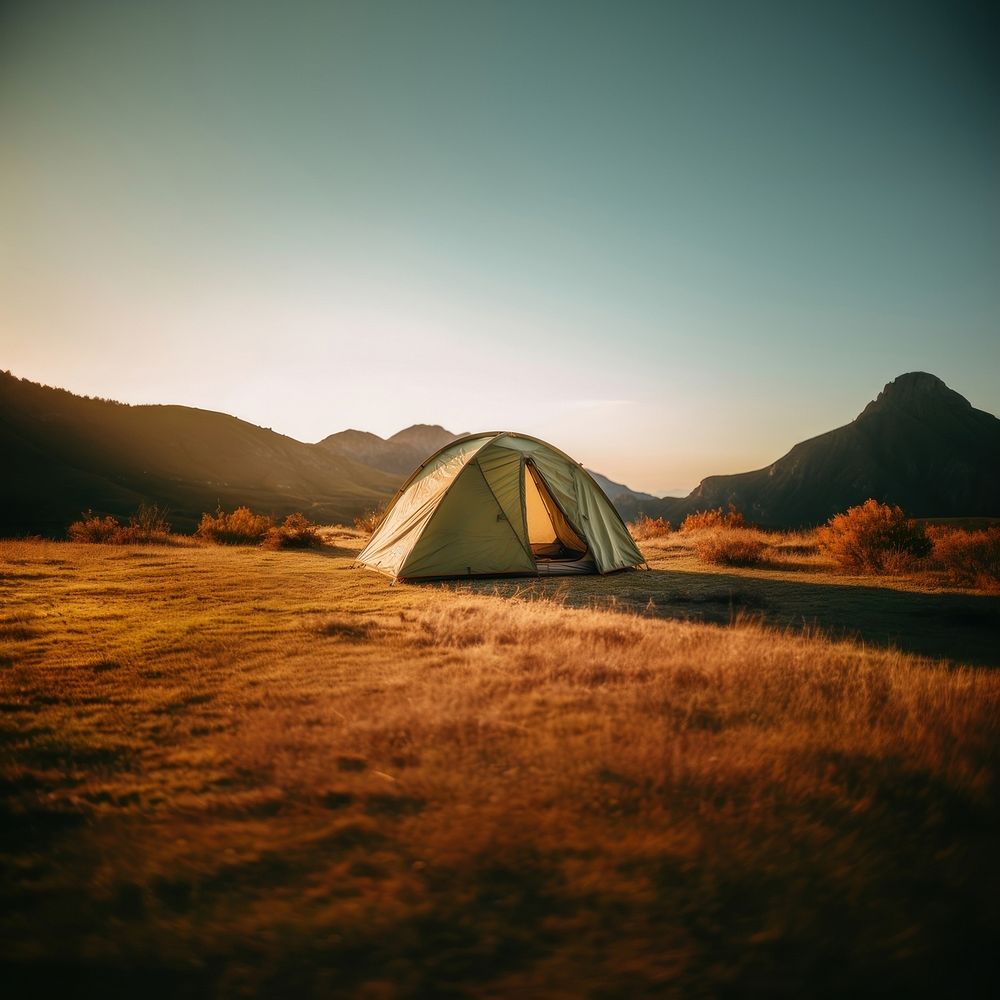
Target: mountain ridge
(399,454)
(919,444)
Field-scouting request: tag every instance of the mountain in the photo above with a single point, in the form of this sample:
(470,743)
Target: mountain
(405,450)
(919,444)
(398,455)
(63,453)
(618,493)
(424,438)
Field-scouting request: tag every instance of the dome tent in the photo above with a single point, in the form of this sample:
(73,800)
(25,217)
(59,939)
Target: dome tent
(499,503)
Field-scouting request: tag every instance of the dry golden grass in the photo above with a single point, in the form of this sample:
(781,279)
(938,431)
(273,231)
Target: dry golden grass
(240,772)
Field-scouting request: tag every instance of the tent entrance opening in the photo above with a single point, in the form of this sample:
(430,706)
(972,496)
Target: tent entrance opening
(550,535)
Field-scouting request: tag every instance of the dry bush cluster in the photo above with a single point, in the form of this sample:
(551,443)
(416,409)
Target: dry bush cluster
(968,558)
(731,547)
(241,527)
(704,520)
(644,528)
(874,538)
(147,526)
(371,519)
(295,532)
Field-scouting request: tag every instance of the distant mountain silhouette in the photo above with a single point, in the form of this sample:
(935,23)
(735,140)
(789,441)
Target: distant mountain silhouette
(62,453)
(399,454)
(618,493)
(919,444)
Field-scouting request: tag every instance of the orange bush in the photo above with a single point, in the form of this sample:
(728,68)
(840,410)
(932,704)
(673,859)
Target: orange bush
(296,532)
(241,527)
(874,538)
(645,527)
(731,547)
(970,558)
(704,519)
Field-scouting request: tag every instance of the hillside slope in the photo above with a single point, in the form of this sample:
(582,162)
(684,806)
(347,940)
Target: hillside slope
(64,452)
(919,444)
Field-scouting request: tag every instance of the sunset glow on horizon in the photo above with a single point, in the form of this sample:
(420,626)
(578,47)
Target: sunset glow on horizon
(626,235)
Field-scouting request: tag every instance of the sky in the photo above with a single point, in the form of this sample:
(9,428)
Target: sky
(671,238)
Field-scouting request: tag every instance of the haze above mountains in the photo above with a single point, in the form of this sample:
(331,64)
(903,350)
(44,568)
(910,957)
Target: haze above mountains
(918,444)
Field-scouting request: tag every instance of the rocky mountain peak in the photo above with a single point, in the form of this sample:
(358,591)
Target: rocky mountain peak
(915,392)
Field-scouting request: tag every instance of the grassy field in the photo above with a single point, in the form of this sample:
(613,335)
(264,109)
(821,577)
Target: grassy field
(235,772)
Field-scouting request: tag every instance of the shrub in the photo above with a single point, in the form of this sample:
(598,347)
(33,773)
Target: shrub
(970,558)
(371,519)
(92,528)
(731,547)
(296,532)
(645,527)
(147,525)
(241,527)
(874,538)
(704,519)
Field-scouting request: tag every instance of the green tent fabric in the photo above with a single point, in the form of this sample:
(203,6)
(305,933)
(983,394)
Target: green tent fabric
(499,503)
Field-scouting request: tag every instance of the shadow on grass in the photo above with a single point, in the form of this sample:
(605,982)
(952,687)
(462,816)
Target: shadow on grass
(960,627)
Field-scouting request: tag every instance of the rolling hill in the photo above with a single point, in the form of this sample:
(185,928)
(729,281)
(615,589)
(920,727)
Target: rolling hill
(63,453)
(919,444)
(398,455)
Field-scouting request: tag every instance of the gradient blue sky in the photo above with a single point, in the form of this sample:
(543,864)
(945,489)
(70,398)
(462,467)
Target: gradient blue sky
(672,238)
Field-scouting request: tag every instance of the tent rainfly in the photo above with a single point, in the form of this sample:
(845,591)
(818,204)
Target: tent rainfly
(499,503)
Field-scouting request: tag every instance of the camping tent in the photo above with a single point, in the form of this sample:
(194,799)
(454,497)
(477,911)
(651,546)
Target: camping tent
(497,503)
